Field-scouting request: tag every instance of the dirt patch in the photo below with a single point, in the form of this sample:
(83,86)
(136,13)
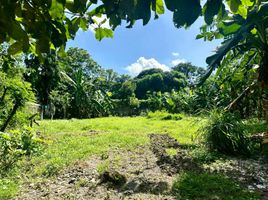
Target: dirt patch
(147,172)
(171,164)
(252,174)
(143,179)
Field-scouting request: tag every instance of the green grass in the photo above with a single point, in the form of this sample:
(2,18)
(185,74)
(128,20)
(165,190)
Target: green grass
(254,126)
(208,186)
(171,152)
(8,188)
(73,140)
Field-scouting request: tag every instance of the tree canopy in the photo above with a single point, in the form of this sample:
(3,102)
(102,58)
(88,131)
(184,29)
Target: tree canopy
(38,25)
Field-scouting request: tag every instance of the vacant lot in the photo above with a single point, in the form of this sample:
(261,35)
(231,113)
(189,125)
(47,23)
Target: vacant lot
(79,155)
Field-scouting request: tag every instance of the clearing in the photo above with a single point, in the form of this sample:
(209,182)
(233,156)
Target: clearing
(131,158)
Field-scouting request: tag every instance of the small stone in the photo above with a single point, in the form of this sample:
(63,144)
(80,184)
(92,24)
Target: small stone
(260,186)
(72,180)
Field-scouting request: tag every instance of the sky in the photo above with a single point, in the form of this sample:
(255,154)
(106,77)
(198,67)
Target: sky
(158,44)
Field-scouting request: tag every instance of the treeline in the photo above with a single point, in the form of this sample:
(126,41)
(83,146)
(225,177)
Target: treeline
(75,86)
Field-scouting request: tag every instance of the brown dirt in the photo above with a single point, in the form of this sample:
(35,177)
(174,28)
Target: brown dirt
(146,173)
(144,179)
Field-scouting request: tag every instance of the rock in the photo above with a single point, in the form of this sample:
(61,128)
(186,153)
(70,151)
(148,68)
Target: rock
(71,181)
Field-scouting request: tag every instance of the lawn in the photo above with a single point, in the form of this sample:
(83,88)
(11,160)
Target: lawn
(72,140)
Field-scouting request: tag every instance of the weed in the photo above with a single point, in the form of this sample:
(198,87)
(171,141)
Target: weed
(171,152)
(225,133)
(103,167)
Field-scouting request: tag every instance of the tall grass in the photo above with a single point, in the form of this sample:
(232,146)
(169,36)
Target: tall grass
(225,133)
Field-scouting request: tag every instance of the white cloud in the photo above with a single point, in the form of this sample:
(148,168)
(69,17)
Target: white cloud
(178,61)
(175,54)
(99,20)
(143,64)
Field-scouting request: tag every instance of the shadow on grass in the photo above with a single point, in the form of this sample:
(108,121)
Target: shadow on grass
(191,185)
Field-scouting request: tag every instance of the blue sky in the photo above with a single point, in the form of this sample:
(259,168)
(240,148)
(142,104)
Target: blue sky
(157,44)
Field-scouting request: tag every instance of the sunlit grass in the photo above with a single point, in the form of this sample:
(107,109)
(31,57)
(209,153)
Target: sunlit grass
(78,139)
(71,140)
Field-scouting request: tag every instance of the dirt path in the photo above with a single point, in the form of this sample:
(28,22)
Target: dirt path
(146,173)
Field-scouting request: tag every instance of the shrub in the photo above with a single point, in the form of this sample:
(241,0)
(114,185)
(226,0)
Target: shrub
(225,133)
(15,144)
(207,186)
(163,115)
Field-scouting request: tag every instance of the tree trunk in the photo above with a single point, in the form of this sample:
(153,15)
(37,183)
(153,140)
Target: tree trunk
(42,112)
(64,112)
(13,112)
(263,82)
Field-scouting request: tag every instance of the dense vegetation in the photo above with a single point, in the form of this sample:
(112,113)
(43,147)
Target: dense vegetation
(212,112)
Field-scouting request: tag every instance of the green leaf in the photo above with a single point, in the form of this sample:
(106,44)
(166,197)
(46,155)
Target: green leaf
(114,21)
(42,45)
(158,6)
(234,5)
(182,16)
(211,8)
(199,36)
(102,33)
(83,24)
(15,48)
(142,11)
(248,2)
(230,29)
(16,31)
(61,51)
(172,5)
(242,10)
(56,10)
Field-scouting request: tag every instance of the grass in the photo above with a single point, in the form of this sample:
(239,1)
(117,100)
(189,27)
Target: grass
(171,152)
(207,186)
(73,140)
(8,188)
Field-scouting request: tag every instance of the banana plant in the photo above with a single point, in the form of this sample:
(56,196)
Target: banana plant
(88,98)
(245,41)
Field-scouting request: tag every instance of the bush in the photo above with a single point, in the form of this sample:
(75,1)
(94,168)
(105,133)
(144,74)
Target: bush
(15,144)
(163,115)
(207,186)
(225,133)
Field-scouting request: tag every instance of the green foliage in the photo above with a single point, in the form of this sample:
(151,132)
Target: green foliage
(189,70)
(160,115)
(55,21)
(15,144)
(225,133)
(8,188)
(80,90)
(245,44)
(202,154)
(207,186)
(155,80)
(15,92)
(171,152)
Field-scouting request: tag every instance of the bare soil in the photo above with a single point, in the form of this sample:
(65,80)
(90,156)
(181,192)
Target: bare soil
(147,173)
